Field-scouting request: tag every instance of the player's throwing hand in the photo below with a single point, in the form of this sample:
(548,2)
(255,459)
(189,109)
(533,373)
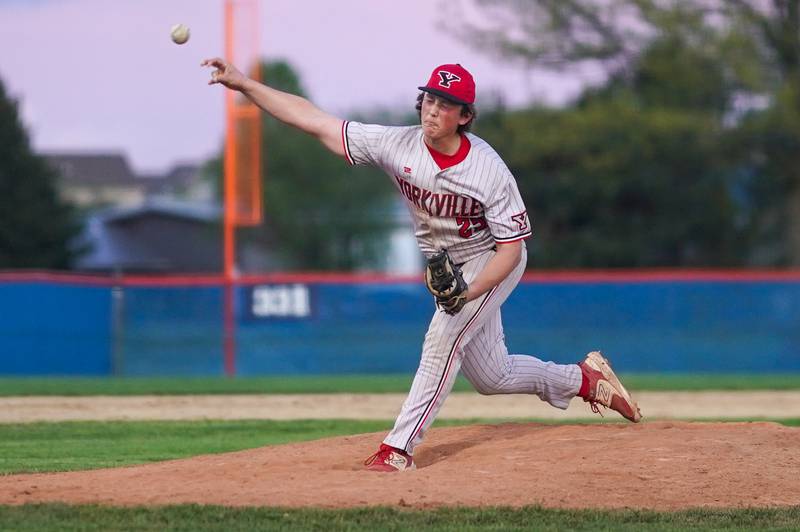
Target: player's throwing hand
(225,73)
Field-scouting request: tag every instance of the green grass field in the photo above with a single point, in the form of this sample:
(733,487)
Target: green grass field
(76,445)
(350,384)
(64,446)
(193,518)
(42,447)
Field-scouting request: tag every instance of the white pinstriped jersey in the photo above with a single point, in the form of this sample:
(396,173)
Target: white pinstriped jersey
(465,208)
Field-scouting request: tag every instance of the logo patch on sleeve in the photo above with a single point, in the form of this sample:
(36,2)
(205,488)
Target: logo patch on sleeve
(522,220)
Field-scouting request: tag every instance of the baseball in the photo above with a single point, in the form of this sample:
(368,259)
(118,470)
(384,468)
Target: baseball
(180,33)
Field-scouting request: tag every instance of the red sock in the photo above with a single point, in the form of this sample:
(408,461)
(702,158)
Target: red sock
(584,391)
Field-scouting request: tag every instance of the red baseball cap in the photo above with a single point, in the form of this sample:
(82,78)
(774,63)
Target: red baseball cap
(452,82)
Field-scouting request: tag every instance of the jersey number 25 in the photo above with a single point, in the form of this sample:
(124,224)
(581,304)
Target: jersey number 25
(470,226)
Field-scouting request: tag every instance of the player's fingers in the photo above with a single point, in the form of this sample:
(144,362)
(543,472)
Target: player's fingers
(214,61)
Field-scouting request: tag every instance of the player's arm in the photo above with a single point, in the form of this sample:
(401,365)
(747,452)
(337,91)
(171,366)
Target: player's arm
(498,268)
(288,108)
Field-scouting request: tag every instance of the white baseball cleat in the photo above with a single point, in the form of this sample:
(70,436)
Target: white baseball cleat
(606,389)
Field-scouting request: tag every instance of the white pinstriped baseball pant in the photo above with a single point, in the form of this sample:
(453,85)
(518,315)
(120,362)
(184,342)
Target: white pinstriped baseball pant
(473,342)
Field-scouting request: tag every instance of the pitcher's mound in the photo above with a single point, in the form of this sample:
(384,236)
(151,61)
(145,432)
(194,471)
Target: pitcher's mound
(660,465)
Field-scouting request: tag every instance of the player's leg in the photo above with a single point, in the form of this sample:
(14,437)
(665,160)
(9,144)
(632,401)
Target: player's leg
(491,370)
(438,368)
(441,357)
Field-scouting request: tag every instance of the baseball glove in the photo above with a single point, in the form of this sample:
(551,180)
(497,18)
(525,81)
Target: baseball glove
(445,282)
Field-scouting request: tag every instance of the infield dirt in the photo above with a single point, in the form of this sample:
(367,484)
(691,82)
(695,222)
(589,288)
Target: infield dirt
(661,465)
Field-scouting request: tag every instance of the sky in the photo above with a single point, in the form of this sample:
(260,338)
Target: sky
(103,75)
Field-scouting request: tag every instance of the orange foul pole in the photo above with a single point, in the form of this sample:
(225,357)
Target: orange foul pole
(242,166)
(229,232)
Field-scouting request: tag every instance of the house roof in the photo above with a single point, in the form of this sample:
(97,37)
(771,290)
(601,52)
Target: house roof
(178,177)
(201,212)
(96,169)
(115,244)
(93,168)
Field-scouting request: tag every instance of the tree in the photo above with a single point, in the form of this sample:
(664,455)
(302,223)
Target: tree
(765,37)
(635,173)
(319,213)
(719,56)
(610,184)
(768,145)
(556,34)
(35,226)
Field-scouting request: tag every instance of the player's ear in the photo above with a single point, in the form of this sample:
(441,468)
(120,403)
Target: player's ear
(465,117)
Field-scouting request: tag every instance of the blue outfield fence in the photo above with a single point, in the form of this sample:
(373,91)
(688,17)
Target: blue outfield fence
(53,328)
(335,324)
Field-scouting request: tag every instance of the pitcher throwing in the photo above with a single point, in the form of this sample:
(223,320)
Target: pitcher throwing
(471,223)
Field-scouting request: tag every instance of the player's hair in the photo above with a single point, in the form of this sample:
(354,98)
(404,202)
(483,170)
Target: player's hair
(467,109)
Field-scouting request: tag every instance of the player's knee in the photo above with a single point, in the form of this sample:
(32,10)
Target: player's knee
(489,387)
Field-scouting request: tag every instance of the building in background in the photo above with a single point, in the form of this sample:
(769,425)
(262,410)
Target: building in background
(97,180)
(140,223)
(181,181)
(171,222)
(162,236)
(156,236)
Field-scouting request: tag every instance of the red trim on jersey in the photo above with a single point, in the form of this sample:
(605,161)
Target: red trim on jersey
(344,144)
(446,161)
(514,239)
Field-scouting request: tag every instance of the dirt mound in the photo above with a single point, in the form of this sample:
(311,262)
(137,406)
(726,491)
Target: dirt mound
(659,465)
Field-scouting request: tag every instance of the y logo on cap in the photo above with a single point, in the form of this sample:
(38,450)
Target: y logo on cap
(447,78)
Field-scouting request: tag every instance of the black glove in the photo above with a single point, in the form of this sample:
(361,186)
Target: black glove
(445,282)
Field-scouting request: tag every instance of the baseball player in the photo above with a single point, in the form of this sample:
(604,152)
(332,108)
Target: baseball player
(471,223)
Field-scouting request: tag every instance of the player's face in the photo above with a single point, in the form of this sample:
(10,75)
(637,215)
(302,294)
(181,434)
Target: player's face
(440,117)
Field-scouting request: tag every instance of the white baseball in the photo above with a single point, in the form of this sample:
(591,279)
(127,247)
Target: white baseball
(180,33)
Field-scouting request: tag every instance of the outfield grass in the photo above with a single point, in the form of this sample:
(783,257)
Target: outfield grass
(77,445)
(350,384)
(215,518)
(92,444)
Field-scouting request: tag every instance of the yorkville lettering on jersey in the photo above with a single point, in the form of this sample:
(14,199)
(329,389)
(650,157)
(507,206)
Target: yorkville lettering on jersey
(442,205)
